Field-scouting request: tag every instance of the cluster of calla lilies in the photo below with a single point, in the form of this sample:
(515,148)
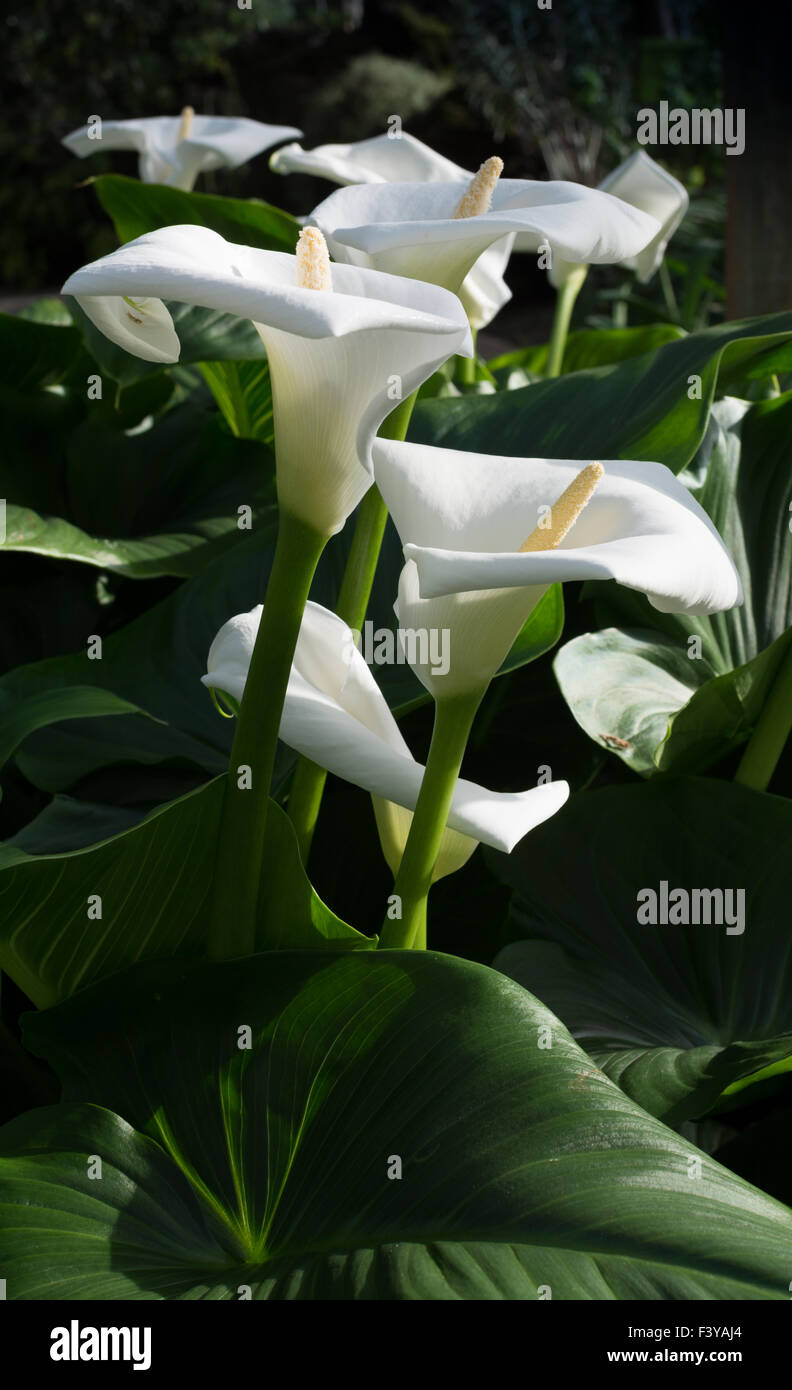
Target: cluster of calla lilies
(418,249)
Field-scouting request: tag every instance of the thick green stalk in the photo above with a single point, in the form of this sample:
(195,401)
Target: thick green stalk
(243,826)
(305,798)
(454,717)
(766,744)
(565,303)
(466,366)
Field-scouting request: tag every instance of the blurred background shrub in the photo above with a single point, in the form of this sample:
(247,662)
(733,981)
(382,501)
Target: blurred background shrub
(555,91)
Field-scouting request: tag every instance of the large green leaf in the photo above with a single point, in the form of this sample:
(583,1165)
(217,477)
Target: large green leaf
(658,699)
(587,347)
(136,208)
(19,719)
(172,506)
(155,663)
(638,408)
(154,884)
(36,354)
(515,1167)
(243,392)
(677,1013)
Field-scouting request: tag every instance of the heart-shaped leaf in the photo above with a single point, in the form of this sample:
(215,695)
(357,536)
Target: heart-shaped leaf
(657,920)
(391,1126)
(68,919)
(651,407)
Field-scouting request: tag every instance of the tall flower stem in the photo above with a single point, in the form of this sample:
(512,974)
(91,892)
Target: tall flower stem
(454,717)
(243,825)
(467,366)
(766,744)
(565,303)
(305,798)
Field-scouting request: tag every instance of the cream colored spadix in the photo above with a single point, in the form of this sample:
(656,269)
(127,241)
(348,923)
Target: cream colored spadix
(187,118)
(477,199)
(565,512)
(313,261)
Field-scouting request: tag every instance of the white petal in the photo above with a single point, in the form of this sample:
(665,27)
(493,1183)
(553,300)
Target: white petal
(115,135)
(409,228)
(340,361)
(143,327)
(463,518)
(484,290)
(383,159)
(165,158)
(193,265)
(216,141)
(643,183)
(351,732)
(476,630)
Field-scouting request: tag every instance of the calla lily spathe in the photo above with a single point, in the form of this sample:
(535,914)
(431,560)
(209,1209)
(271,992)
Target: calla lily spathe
(410,229)
(644,184)
(464,517)
(400,158)
(336,715)
(168,155)
(335,355)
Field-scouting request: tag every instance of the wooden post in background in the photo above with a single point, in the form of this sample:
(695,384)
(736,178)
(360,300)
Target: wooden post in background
(759,181)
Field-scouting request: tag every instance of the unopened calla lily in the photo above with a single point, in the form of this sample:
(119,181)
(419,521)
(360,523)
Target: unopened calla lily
(174,150)
(336,715)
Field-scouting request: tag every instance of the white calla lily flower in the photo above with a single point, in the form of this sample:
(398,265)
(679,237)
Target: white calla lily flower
(336,715)
(403,159)
(417,230)
(464,520)
(397,158)
(174,150)
(644,184)
(336,354)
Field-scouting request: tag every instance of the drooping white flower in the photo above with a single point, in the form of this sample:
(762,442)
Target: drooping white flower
(336,715)
(403,159)
(175,149)
(644,184)
(416,230)
(465,521)
(340,358)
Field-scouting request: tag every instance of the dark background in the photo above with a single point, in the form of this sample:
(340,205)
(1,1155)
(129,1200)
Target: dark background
(555,92)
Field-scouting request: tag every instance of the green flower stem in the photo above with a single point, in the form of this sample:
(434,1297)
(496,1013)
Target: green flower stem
(466,366)
(565,303)
(766,744)
(454,717)
(305,798)
(667,286)
(241,839)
